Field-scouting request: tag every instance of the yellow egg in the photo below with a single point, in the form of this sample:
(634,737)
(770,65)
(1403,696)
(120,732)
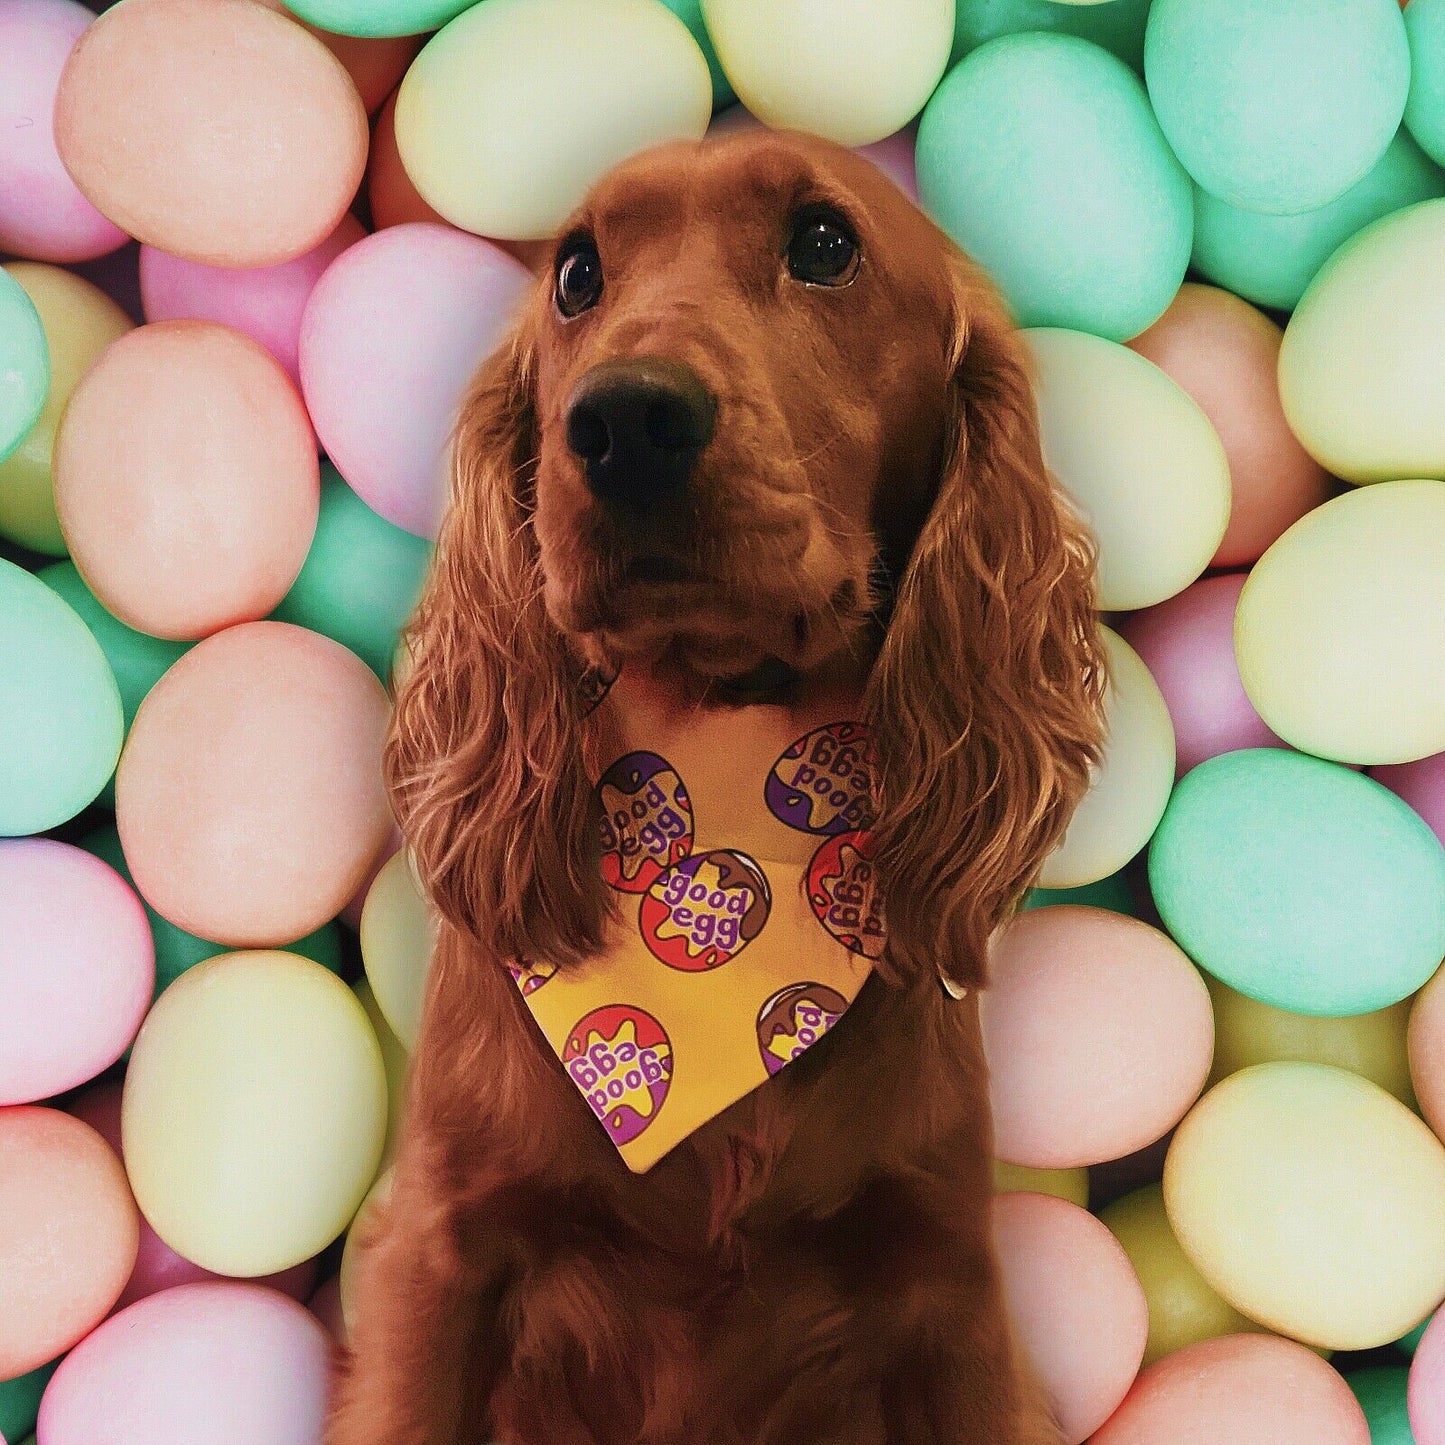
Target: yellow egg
(1131,789)
(1134,450)
(398,933)
(1362,368)
(254,1112)
(394,1060)
(1183,1309)
(852,70)
(514,109)
(1070,1184)
(80,321)
(1340,630)
(377,1195)
(1313,1202)
(1373,1045)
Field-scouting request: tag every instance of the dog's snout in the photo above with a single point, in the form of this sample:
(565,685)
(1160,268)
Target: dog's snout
(639,427)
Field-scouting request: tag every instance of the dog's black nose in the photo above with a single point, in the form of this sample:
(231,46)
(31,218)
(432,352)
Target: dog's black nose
(639,427)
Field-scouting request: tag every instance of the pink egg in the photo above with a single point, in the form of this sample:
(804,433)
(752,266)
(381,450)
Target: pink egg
(393,333)
(213,129)
(157,1265)
(263,302)
(186,479)
(1239,1390)
(77,967)
(68,1234)
(1098,1032)
(326,1306)
(1187,643)
(1422,785)
(1075,1304)
(42,213)
(1224,353)
(1426,1396)
(223,1364)
(249,796)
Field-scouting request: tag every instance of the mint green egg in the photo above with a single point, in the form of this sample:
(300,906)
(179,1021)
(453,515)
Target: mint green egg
(378,17)
(1381,1393)
(1300,883)
(177,950)
(1425,107)
(1040,156)
(61,723)
(1112,893)
(24,364)
(1117,25)
(361,579)
(20,1400)
(1411,1342)
(1277,105)
(1271,260)
(690,13)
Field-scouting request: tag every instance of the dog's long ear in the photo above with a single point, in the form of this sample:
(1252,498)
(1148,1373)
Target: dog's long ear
(485,760)
(986,699)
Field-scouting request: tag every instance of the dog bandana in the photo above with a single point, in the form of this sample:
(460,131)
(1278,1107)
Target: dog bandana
(738,839)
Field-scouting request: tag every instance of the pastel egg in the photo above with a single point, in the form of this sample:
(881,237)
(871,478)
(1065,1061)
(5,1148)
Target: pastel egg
(361,578)
(1075,1305)
(254,1112)
(69,1238)
(42,214)
(496,120)
(378,17)
(1425,1396)
(1426,1039)
(1362,369)
(1238,1390)
(1098,1033)
(1183,1308)
(79,321)
(1373,1045)
(1381,1391)
(24,364)
(1117,26)
(1070,1184)
(375,64)
(1141,459)
(394,1060)
(1313,1202)
(60,713)
(851,71)
(398,934)
(262,302)
(249,798)
(1187,643)
(1114,893)
(392,335)
(1340,630)
(394,199)
(377,1198)
(1409,1343)
(1225,354)
(227,1363)
(213,129)
(1271,260)
(186,479)
(76,968)
(1277,105)
(1130,789)
(20,1402)
(1300,883)
(1040,156)
(1425,106)
(1422,785)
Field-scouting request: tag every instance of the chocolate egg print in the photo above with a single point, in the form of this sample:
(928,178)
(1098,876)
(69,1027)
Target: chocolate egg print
(646,820)
(794,1019)
(842,889)
(620,1058)
(529,977)
(821,783)
(705,911)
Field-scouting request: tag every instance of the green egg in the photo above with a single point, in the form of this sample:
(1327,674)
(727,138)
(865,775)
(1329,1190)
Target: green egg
(1112,893)
(1425,107)
(20,1400)
(1381,1393)
(1117,25)
(1300,883)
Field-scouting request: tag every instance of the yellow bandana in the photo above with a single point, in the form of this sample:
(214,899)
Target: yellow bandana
(740,837)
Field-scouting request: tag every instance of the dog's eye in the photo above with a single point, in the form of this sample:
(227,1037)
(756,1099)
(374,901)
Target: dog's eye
(579,277)
(822,252)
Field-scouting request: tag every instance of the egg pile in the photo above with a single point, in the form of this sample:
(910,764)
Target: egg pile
(252,256)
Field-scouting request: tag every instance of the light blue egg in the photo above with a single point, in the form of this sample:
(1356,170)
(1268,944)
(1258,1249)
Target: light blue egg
(1425,108)
(24,364)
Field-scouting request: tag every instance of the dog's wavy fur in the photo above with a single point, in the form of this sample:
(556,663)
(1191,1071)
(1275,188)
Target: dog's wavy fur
(815,1264)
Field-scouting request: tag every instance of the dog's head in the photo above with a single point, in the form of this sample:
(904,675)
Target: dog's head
(758,413)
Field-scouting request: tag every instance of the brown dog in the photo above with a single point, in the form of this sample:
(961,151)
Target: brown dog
(761,420)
